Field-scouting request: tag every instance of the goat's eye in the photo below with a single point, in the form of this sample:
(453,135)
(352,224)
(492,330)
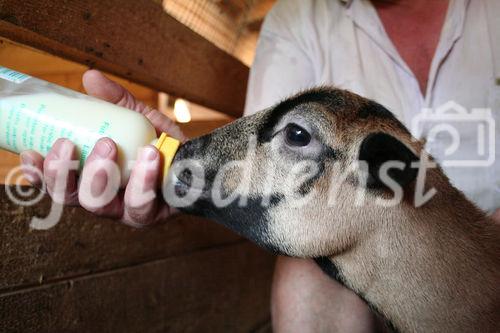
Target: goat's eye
(297,136)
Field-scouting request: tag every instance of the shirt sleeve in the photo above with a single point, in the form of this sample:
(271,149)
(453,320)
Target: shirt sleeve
(281,66)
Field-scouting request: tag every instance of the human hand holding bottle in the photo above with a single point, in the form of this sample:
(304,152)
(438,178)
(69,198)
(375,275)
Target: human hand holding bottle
(129,205)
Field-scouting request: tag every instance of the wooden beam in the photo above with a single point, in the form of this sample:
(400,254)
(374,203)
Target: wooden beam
(260,9)
(219,290)
(133,39)
(83,244)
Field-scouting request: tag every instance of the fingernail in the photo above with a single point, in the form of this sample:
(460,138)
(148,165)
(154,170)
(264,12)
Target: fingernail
(148,153)
(29,178)
(26,159)
(103,148)
(66,149)
(28,162)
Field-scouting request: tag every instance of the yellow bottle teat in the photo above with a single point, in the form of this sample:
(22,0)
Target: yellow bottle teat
(167,146)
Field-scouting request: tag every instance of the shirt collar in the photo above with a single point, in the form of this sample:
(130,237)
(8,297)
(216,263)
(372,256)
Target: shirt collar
(366,18)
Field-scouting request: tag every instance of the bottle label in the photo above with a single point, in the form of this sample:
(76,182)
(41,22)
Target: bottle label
(13,76)
(27,123)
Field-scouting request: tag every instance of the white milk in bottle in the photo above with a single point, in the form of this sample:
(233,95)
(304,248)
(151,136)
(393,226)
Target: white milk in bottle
(35,113)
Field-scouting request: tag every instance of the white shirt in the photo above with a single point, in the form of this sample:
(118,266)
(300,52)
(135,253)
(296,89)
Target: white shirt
(343,43)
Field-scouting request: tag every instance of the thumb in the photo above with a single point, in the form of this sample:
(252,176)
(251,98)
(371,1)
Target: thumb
(98,85)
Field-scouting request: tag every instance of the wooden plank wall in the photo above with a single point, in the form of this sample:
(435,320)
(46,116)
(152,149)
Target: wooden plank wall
(96,275)
(88,274)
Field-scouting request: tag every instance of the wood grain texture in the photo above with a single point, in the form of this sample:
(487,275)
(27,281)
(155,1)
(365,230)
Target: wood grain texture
(61,71)
(218,290)
(133,39)
(84,244)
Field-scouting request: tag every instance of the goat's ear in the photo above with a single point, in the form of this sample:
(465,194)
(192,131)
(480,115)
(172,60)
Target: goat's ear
(378,148)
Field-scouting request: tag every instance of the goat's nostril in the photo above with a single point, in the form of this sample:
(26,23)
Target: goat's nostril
(184,182)
(186,176)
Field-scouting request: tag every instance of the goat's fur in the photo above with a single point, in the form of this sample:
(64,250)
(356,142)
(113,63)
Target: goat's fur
(433,268)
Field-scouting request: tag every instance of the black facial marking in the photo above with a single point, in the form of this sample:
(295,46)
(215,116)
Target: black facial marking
(328,156)
(373,109)
(379,148)
(308,185)
(274,200)
(250,220)
(323,96)
(330,269)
